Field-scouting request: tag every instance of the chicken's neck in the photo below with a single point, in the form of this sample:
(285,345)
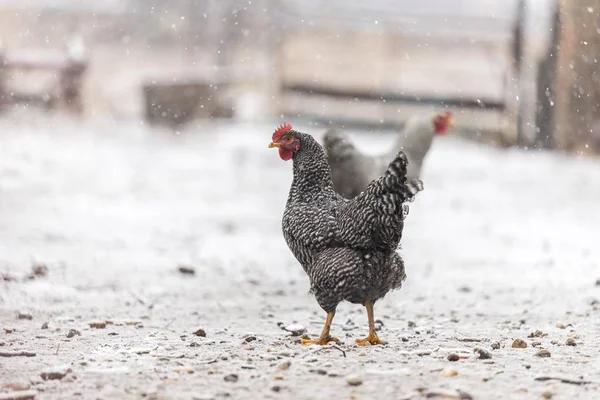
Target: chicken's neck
(312,174)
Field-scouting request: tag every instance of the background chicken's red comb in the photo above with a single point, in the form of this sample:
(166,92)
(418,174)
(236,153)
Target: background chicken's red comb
(281,130)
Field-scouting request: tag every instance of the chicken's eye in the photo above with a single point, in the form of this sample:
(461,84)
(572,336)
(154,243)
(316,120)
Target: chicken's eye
(288,139)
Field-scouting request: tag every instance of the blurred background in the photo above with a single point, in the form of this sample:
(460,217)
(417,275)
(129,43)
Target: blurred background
(518,72)
(140,208)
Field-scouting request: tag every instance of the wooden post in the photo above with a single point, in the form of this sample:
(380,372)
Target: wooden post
(577,105)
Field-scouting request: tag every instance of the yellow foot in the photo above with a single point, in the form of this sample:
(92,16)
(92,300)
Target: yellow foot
(371,339)
(320,341)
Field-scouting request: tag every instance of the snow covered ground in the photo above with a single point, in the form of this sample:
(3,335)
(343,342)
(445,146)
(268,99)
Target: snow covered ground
(501,244)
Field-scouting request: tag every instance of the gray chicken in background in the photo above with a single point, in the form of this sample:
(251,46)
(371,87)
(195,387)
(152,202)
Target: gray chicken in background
(352,171)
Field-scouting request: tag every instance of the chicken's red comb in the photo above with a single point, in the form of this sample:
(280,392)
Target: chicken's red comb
(283,128)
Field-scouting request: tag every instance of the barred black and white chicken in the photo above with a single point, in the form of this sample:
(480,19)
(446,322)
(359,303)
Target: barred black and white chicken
(346,247)
(352,171)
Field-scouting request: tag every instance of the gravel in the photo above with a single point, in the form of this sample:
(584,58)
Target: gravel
(106,210)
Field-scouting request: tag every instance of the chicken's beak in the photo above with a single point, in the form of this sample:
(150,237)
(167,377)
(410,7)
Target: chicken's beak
(273,144)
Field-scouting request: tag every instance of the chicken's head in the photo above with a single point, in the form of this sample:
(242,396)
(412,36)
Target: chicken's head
(286,141)
(442,121)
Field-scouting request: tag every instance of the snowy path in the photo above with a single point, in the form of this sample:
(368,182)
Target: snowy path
(499,245)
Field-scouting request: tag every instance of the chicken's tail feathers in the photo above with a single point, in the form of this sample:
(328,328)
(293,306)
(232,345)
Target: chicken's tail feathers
(395,174)
(394,178)
(414,186)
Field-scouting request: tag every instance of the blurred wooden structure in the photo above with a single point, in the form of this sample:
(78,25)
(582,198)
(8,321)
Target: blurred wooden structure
(68,66)
(379,62)
(175,102)
(569,90)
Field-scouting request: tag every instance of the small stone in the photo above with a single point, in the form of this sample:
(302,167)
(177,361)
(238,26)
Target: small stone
(411,324)
(295,329)
(354,380)
(453,357)
(231,378)
(25,315)
(37,271)
(72,333)
(447,373)
(9,330)
(482,354)
(98,324)
(187,270)
(318,371)
(200,332)
(495,345)
(527,366)
(249,339)
(284,365)
(276,389)
(547,394)
(560,326)
(55,373)
(113,333)
(536,344)
(597,282)
(543,353)
(519,344)
(537,333)
(570,342)
(45,325)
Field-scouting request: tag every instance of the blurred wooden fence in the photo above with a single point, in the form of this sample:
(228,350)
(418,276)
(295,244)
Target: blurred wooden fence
(382,61)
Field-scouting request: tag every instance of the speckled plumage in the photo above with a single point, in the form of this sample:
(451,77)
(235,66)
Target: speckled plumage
(347,247)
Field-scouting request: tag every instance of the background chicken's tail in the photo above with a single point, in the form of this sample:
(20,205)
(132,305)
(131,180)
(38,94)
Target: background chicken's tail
(337,145)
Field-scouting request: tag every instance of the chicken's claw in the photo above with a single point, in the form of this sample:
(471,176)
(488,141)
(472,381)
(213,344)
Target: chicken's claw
(320,341)
(369,340)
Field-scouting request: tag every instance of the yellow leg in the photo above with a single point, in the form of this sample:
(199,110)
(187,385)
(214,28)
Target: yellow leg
(372,338)
(324,338)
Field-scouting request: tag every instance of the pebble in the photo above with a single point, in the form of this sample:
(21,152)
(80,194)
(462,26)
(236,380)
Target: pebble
(482,354)
(58,372)
(537,333)
(536,344)
(9,330)
(295,329)
(250,339)
(98,324)
(495,345)
(276,389)
(519,344)
(45,325)
(543,353)
(231,378)
(187,270)
(200,332)
(24,315)
(354,380)
(453,357)
(447,373)
(547,395)
(284,365)
(411,324)
(570,342)
(560,326)
(72,333)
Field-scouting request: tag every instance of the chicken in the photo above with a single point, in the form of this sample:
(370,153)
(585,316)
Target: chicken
(346,247)
(352,171)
